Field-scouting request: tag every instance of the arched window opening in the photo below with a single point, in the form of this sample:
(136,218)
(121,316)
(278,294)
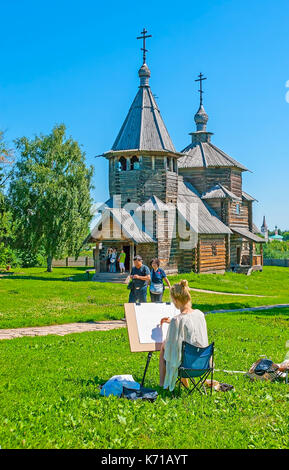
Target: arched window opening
(174,165)
(122,164)
(134,163)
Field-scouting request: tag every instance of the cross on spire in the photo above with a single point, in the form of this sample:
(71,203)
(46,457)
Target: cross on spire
(143,48)
(200,79)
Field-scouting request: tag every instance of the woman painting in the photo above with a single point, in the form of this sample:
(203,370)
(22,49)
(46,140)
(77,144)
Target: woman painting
(190,326)
(156,282)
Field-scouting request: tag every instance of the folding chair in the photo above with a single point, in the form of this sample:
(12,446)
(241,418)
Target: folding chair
(197,364)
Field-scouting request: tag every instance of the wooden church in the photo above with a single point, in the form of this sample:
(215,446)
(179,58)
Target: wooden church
(187,208)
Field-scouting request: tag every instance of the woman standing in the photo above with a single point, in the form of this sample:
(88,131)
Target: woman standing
(190,326)
(113,258)
(107,257)
(156,284)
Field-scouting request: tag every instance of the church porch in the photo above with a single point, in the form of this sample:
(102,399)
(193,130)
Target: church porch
(243,251)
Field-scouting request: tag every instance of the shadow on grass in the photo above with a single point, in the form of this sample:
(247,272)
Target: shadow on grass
(260,313)
(76,277)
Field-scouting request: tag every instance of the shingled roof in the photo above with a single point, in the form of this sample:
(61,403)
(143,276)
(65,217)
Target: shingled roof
(218,191)
(244,232)
(207,220)
(143,128)
(205,154)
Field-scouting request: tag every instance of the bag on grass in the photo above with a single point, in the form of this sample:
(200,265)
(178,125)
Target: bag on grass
(115,385)
(264,369)
(141,394)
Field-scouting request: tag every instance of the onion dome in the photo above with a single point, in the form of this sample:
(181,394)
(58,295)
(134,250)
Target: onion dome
(201,119)
(144,75)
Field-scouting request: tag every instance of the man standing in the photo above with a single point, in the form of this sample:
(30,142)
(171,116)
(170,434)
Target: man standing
(121,261)
(140,276)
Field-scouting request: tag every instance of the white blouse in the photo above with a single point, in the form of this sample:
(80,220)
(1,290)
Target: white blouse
(189,327)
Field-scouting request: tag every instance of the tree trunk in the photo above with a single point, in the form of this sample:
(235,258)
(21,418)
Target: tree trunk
(49,264)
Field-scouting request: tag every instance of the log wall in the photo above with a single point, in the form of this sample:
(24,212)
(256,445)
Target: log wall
(153,178)
(212,252)
(239,220)
(204,179)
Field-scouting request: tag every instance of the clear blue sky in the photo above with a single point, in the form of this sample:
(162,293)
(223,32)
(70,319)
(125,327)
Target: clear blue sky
(77,63)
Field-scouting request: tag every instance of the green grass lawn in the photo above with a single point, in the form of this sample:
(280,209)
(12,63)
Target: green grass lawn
(272,281)
(33,297)
(49,396)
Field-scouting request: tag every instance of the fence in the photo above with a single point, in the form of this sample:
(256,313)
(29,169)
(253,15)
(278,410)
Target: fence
(276,262)
(81,261)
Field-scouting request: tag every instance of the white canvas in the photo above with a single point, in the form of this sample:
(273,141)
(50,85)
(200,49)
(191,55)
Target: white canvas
(148,318)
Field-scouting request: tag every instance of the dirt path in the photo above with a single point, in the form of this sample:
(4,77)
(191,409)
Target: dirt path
(61,330)
(224,293)
(68,328)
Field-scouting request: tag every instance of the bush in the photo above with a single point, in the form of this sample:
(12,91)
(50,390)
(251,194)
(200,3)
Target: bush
(28,259)
(276,249)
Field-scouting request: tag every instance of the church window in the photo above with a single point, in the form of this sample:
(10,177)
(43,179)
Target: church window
(214,249)
(134,163)
(174,165)
(238,211)
(168,163)
(122,164)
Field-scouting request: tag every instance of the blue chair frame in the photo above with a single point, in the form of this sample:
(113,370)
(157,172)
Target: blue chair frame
(197,364)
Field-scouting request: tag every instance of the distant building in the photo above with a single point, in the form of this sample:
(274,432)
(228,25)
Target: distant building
(264,229)
(276,236)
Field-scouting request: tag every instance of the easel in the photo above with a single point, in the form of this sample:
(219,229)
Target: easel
(135,345)
(146,367)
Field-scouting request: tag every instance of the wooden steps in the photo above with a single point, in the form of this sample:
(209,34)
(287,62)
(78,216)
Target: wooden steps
(117,278)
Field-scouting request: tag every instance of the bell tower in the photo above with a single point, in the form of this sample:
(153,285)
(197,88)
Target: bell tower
(143,159)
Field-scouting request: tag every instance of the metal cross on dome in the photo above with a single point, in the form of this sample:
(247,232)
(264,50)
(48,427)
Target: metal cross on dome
(144,36)
(200,79)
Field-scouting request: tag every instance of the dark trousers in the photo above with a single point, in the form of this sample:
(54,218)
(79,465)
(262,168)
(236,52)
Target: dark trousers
(138,295)
(157,297)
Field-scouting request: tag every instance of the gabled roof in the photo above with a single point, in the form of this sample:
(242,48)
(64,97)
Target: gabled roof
(129,225)
(154,204)
(207,219)
(220,192)
(204,155)
(247,197)
(143,128)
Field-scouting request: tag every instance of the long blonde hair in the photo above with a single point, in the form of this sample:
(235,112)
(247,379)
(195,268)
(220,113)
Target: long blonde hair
(180,292)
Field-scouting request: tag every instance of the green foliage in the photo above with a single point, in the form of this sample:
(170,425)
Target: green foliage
(276,249)
(50,398)
(27,258)
(50,195)
(6,222)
